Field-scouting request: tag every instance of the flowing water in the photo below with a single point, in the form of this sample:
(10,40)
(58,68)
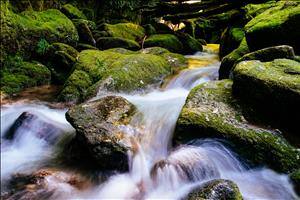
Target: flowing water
(157,170)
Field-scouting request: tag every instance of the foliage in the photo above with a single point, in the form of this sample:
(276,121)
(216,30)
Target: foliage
(42,46)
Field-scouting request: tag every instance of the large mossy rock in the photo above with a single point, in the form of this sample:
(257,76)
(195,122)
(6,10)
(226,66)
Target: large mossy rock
(278,25)
(17,75)
(229,61)
(116,71)
(167,41)
(211,111)
(98,127)
(127,31)
(85,28)
(231,39)
(216,190)
(272,89)
(20,33)
(60,59)
(117,42)
(190,44)
(72,12)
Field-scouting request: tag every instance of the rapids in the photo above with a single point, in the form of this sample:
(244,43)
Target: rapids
(157,170)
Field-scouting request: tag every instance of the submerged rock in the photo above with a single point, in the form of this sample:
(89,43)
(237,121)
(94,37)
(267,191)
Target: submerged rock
(38,126)
(272,89)
(116,71)
(98,129)
(279,25)
(211,111)
(216,190)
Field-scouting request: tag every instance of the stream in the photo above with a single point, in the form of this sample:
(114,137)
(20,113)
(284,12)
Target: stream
(156,170)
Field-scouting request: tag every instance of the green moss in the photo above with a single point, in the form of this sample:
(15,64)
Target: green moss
(124,30)
(295,178)
(166,41)
(116,70)
(252,10)
(20,33)
(116,42)
(76,86)
(229,61)
(72,12)
(211,111)
(277,25)
(230,40)
(17,75)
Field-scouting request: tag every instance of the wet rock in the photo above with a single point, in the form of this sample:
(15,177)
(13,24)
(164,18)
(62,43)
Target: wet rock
(121,71)
(38,126)
(18,74)
(272,89)
(167,41)
(98,128)
(211,111)
(72,12)
(215,190)
(231,39)
(44,184)
(229,61)
(279,25)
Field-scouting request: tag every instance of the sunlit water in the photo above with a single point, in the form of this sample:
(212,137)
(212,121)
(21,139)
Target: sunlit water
(157,170)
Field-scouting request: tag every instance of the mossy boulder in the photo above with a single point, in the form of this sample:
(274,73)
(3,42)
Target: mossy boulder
(215,190)
(98,127)
(72,12)
(295,178)
(231,39)
(211,111)
(85,28)
(116,42)
(128,31)
(229,61)
(167,41)
(270,53)
(278,25)
(60,59)
(20,33)
(17,75)
(190,44)
(272,89)
(252,10)
(114,71)
(83,46)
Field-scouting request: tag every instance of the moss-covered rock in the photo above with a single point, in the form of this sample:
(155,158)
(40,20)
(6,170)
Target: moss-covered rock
(278,25)
(98,127)
(190,44)
(230,40)
(272,89)
(72,12)
(252,10)
(295,178)
(128,31)
(116,42)
(20,33)
(270,53)
(17,75)
(211,111)
(149,29)
(114,71)
(229,61)
(167,41)
(84,28)
(216,190)
(60,59)
(83,46)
